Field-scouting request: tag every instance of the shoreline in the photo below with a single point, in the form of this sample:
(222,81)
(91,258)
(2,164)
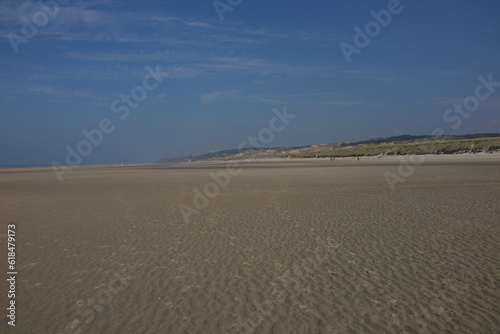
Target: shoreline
(391,158)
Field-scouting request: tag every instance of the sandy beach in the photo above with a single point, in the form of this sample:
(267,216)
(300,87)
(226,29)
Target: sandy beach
(282,246)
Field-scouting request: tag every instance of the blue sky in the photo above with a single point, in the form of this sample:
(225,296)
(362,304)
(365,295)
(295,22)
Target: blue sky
(225,77)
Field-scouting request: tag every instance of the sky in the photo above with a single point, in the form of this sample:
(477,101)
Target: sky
(119,81)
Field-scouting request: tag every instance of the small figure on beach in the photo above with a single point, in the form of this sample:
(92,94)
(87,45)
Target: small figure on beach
(358,158)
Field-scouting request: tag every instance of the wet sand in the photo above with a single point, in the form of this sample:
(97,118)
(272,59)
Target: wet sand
(284,246)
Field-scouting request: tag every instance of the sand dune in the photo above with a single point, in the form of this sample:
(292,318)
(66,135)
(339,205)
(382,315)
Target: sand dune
(286,247)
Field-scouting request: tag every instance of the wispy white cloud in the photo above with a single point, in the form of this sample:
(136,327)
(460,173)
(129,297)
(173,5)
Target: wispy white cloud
(201,63)
(489,103)
(109,20)
(345,103)
(219,96)
(118,57)
(222,96)
(350,103)
(14,14)
(190,22)
(193,46)
(265,67)
(297,35)
(52,92)
(375,75)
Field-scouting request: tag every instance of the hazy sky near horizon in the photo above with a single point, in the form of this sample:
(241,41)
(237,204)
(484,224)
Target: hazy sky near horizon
(225,77)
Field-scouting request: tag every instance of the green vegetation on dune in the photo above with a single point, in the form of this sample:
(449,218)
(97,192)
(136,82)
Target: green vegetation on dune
(489,144)
(400,145)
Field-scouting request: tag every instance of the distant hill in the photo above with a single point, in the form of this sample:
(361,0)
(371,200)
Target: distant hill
(398,145)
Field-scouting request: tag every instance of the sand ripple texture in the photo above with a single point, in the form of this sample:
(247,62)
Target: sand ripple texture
(286,247)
